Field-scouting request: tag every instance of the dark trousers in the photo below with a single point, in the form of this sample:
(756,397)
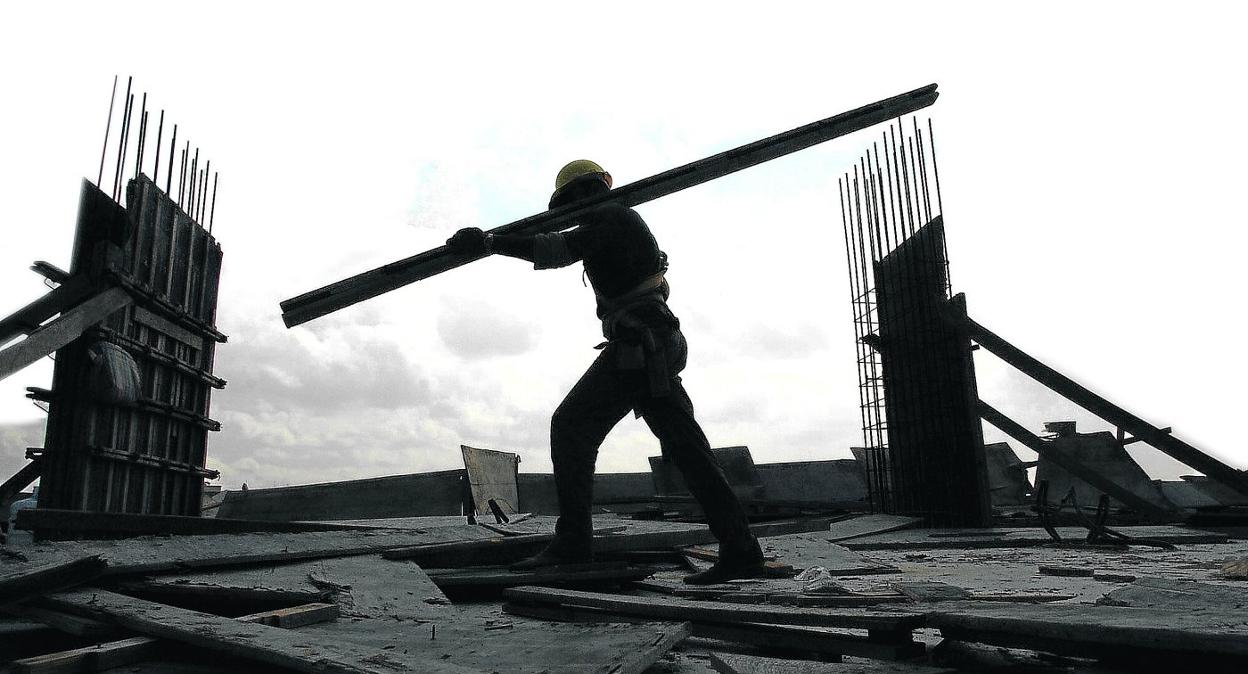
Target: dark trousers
(604,394)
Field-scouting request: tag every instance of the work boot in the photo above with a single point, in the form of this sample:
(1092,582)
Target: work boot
(745,561)
(560,551)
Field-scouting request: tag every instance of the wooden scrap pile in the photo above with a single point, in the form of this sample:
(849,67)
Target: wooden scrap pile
(434,594)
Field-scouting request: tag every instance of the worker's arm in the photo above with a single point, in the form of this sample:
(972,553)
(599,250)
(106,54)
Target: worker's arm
(545,251)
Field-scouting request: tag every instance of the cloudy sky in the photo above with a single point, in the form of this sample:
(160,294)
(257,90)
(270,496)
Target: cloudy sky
(1092,161)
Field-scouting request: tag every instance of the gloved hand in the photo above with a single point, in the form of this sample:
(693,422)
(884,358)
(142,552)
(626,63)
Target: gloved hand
(468,241)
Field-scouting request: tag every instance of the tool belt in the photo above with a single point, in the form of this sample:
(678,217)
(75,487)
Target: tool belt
(639,344)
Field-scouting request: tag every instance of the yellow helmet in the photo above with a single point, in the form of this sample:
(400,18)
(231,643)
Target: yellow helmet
(578,168)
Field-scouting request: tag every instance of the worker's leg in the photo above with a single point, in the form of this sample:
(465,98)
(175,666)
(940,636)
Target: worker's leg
(581,422)
(671,419)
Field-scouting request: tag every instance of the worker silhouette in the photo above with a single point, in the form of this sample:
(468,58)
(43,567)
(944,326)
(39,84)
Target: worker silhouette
(638,370)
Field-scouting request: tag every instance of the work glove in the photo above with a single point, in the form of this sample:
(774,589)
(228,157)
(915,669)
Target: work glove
(468,241)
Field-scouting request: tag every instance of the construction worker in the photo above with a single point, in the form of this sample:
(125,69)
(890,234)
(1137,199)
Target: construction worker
(638,370)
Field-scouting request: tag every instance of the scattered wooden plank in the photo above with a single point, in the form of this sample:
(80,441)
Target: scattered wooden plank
(868,525)
(484,552)
(641,659)
(1069,571)
(128,651)
(90,658)
(1097,631)
(577,575)
(271,645)
(764,594)
(662,608)
(178,592)
(79,626)
(120,525)
(931,590)
(731,663)
(702,535)
(23,580)
(1165,593)
(363,586)
(294,616)
(161,555)
(777,638)
(1019,537)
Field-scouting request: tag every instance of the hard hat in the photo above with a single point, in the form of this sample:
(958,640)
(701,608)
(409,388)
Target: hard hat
(578,168)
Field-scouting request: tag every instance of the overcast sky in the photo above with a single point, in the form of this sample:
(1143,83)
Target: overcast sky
(1092,160)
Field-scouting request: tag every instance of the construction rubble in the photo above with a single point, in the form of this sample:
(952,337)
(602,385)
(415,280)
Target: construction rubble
(930,551)
(850,592)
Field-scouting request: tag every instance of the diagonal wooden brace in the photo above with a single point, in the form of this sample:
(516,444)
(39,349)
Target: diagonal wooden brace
(66,328)
(1074,392)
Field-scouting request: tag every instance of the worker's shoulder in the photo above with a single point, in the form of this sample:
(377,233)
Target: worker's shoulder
(613,211)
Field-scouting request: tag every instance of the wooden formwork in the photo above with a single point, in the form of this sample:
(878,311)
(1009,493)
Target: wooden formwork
(148,455)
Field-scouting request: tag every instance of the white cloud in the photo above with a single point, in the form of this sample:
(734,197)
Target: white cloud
(1079,226)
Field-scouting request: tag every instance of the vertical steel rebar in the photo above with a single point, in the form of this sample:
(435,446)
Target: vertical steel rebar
(121,137)
(112,98)
(204,192)
(173,144)
(119,189)
(213,210)
(160,131)
(138,152)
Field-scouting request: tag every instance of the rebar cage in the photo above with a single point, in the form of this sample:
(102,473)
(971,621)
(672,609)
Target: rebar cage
(922,440)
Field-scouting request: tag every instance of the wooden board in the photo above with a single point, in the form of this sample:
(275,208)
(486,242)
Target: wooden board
(1165,593)
(868,525)
(766,592)
(776,638)
(492,475)
(65,329)
(20,580)
(78,524)
(128,651)
(158,555)
(559,576)
(89,659)
(365,586)
(493,642)
(663,608)
(730,663)
(1096,630)
(807,550)
(1006,537)
(283,648)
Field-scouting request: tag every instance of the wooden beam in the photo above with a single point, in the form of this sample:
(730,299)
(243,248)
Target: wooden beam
(28,318)
(80,522)
(90,658)
(776,638)
(23,581)
(507,549)
(66,328)
(1072,464)
(1076,393)
(369,284)
(252,641)
(135,649)
(79,626)
(20,480)
(664,608)
(294,616)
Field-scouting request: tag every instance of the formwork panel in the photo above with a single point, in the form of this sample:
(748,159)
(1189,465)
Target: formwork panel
(935,439)
(146,455)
